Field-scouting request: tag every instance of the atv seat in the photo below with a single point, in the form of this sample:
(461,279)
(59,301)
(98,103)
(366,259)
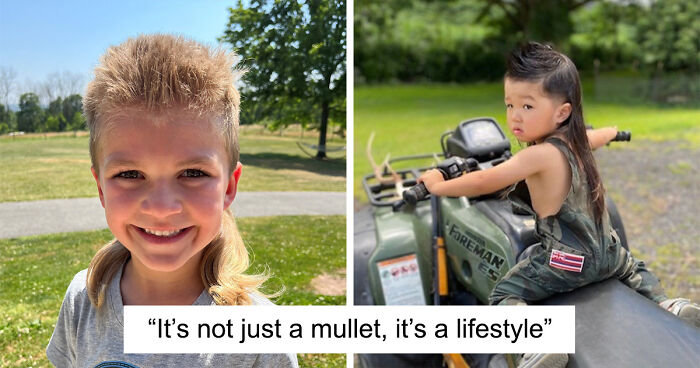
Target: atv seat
(520,229)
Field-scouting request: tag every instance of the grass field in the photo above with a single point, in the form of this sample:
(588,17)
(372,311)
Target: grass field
(35,272)
(59,167)
(409,119)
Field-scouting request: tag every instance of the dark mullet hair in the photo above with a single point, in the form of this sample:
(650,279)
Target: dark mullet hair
(535,62)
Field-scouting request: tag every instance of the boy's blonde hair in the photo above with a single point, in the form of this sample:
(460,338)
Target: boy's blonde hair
(158,73)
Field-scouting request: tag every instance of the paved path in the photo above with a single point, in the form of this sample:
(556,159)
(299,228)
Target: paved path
(80,214)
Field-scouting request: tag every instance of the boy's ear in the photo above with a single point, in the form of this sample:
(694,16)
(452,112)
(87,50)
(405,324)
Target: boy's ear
(99,188)
(232,185)
(563,113)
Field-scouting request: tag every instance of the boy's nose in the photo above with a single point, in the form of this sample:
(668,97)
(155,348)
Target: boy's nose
(514,116)
(161,201)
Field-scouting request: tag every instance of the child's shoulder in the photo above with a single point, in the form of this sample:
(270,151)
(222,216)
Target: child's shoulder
(77,295)
(539,155)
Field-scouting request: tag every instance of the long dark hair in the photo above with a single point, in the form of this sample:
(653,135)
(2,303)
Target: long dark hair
(535,62)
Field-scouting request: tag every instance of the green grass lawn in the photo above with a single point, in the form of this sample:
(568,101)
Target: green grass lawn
(35,272)
(409,119)
(59,167)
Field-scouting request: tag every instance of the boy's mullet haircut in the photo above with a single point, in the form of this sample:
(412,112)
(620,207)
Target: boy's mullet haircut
(161,72)
(158,73)
(535,62)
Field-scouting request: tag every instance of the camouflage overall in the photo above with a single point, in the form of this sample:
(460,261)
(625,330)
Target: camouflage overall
(574,252)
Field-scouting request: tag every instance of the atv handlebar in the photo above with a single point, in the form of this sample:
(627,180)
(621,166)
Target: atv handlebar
(622,136)
(415,193)
(451,168)
(455,166)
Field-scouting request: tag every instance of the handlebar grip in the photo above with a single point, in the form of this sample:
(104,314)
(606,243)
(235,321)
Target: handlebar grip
(622,136)
(415,193)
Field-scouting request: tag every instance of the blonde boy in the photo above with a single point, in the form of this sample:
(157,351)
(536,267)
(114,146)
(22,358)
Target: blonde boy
(163,118)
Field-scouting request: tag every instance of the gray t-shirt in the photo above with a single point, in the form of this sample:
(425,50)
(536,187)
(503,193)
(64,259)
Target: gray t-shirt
(87,337)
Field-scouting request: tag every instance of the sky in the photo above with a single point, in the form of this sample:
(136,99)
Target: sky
(39,37)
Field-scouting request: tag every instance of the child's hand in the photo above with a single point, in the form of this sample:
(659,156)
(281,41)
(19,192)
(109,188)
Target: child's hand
(430,178)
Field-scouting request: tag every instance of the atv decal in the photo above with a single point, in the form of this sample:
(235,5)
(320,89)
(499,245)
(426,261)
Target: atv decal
(566,261)
(490,262)
(401,282)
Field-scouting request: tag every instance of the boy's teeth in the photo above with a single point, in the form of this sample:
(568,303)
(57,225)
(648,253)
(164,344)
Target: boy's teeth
(162,233)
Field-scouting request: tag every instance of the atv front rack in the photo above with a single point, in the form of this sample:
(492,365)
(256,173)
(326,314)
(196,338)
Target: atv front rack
(382,192)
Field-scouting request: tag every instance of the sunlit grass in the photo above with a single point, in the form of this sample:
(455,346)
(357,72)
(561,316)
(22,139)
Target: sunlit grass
(36,168)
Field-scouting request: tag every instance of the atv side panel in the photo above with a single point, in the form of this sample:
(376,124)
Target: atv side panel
(480,253)
(401,233)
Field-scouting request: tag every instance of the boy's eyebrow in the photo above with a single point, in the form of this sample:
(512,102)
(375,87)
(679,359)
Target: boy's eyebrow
(194,161)
(529,97)
(118,161)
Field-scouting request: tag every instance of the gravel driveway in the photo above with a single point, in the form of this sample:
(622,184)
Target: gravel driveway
(656,187)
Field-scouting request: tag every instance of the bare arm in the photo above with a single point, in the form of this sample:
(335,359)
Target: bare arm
(599,137)
(530,161)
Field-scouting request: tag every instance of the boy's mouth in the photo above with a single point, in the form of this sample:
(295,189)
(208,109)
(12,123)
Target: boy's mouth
(163,235)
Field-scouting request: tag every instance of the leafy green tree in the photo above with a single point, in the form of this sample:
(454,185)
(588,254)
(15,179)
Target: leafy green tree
(294,56)
(540,20)
(8,118)
(670,35)
(55,110)
(30,115)
(606,32)
(77,122)
(51,124)
(71,105)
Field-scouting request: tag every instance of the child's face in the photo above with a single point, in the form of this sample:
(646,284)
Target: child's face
(531,115)
(164,187)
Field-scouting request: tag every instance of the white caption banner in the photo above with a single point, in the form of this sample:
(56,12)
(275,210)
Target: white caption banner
(342,329)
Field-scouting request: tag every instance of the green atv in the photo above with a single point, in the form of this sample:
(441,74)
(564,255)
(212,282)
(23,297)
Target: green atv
(415,249)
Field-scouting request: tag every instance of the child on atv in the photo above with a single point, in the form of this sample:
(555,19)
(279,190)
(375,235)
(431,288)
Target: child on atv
(566,194)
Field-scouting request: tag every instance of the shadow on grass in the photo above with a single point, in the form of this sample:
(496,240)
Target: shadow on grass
(278,161)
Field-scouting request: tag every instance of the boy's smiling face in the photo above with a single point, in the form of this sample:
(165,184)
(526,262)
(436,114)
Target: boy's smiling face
(164,185)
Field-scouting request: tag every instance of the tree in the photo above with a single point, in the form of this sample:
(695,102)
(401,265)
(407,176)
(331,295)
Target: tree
(8,118)
(670,36)
(294,56)
(30,115)
(536,20)
(55,111)
(7,84)
(77,122)
(71,105)
(60,85)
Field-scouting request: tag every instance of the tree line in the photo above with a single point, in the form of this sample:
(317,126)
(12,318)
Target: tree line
(467,40)
(62,114)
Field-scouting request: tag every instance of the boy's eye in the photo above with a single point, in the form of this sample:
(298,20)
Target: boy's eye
(193,173)
(509,106)
(130,174)
(527,107)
